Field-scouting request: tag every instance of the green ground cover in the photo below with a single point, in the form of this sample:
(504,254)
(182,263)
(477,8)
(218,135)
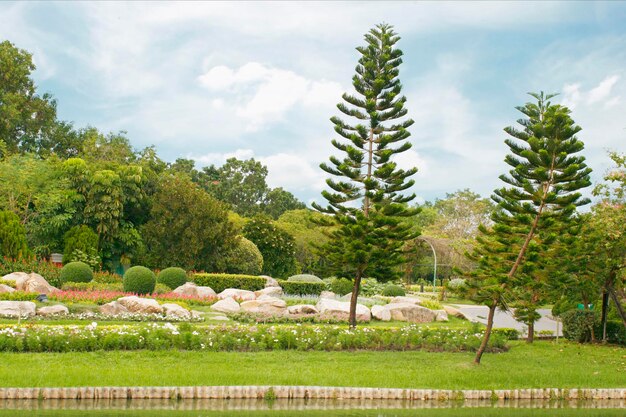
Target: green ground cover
(541,365)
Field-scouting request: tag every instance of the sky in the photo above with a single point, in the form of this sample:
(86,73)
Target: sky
(209,81)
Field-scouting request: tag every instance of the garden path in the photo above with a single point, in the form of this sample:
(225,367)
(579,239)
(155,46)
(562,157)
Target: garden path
(506,319)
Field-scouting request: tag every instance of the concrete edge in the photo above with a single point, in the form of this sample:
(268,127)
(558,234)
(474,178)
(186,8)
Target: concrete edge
(268,392)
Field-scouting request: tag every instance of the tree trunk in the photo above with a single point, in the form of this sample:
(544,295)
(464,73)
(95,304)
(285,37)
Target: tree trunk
(618,305)
(354,299)
(605,307)
(531,332)
(483,345)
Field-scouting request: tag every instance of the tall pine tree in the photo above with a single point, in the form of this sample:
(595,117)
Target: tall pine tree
(541,197)
(368,200)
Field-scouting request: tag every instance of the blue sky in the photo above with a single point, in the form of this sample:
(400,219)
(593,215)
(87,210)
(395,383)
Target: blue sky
(212,80)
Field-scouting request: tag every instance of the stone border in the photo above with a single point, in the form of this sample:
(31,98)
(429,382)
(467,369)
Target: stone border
(306,392)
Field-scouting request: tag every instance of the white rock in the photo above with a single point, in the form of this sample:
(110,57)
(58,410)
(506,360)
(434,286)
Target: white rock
(410,312)
(188,289)
(302,309)
(18,278)
(341,310)
(242,295)
(30,283)
(403,299)
(328,294)
(454,312)
(270,282)
(269,291)
(56,310)
(227,305)
(265,305)
(205,292)
(5,288)
(381,313)
(113,309)
(135,304)
(174,310)
(17,308)
(441,315)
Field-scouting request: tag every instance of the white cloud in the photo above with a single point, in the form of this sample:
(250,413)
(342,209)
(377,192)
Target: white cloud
(293,172)
(603,90)
(218,159)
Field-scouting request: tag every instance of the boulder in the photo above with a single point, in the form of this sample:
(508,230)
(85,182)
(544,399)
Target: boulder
(113,309)
(18,277)
(269,281)
(441,315)
(190,289)
(381,313)
(410,312)
(17,308)
(452,311)
(227,305)
(56,310)
(5,288)
(269,291)
(404,299)
(242,295)
(341,310)
(265,305)
(30,282)
(302,309)
(176,311)
(135,304)
(328,294)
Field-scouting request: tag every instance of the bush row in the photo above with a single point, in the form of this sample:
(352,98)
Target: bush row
(219,282)
(153,336)
(302,288)
(578,325)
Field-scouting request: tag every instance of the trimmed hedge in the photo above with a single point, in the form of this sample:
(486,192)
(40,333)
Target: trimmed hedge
(172,277)
(76,272)
(139,280)
(393,290)
(219,282)
(302,288)
(304,278)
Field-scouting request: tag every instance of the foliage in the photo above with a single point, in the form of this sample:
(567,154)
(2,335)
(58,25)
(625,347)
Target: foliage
(304,278)
(371,286)
(104,277)
(507,333)
(140,280)
(168,336)
(245,258)
(278,201)
(172,277)
(198,222)
(46,269)
(99,294)
(18,296)
(370,234)
(615,330)
(93,286)
(276,246)
(431,304)
(341,286)
(219,282)
(455,285)
(12,236)
(241,184)
(79,238)
(393,290)
(302,287)
(76,272)
(578,325)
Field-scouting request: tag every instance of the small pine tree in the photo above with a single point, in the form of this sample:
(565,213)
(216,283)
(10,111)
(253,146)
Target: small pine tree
(12,236)
(368,201)
(541,197)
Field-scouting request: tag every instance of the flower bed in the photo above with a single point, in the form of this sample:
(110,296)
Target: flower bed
(155,336)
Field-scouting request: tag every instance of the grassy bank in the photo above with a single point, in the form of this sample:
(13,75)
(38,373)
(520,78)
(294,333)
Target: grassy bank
(544,364)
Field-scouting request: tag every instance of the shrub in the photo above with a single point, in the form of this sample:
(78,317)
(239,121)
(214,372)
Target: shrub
(341,286)
(139,280)
(48,270)
(304,278)
(393,290)
(371,286)
(80,242)
(578,324)
(219,282)
(12,236)
(105,277)
(18,296)
(302,288)
(172,277)
(455,285)
(432,304)
(276,246)
(615,332)
(507,333)
(245,258)
(92,286)
(76,272)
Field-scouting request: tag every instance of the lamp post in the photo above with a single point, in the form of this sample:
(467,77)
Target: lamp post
(435,261)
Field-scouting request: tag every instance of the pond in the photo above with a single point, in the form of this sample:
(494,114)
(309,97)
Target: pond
(311,408)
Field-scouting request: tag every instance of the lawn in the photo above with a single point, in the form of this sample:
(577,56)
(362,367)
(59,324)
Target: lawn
(541,365)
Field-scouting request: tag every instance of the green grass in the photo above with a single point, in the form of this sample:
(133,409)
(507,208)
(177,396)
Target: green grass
(541,365)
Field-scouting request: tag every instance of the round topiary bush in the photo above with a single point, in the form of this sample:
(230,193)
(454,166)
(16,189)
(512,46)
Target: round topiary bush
(139,280)
(304,278)
(341,286)
(76,272)
(393,290)
(172,277)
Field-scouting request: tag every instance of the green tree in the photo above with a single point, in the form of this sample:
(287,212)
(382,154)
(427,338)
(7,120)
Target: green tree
(82,239)
(244,258)
(242,185)
(369,238)
(25,116)
(12,236)
(276,246)
(277,201)
(187,227)
(541,197)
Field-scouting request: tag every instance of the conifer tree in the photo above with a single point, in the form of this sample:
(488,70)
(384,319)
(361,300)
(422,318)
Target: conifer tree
(367,200)
(536,205)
